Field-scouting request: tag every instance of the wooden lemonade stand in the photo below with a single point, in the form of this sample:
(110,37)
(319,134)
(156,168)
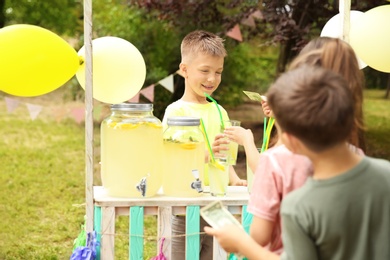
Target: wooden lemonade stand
(102,210)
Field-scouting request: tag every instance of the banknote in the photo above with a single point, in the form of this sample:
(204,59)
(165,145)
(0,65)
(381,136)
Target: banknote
(255,96)
(217,215)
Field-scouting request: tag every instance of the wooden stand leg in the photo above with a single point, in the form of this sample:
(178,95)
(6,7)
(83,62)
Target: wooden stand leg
(108,233)
(164,220)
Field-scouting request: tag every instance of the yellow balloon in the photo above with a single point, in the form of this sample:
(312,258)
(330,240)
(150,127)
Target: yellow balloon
(119,70)
(34,60)
(370,38)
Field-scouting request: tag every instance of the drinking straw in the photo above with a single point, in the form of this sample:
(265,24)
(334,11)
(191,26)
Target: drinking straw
(267,132)
(269,129)
(219,111)
(264,134)
(213,161)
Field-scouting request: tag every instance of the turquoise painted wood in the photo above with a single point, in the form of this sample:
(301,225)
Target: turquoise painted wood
(97,226)
(192,232)
(136,230)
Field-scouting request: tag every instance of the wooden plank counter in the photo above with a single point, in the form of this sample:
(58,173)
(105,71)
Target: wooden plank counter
(107,208)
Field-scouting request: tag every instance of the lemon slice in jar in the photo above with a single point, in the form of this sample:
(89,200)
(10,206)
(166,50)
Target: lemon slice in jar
(188,146)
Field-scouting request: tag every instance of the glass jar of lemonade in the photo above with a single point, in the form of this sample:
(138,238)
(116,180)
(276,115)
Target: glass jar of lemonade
(131,151)
(184,157)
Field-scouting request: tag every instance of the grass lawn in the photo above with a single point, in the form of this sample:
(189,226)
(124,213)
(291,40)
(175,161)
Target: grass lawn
(42,178)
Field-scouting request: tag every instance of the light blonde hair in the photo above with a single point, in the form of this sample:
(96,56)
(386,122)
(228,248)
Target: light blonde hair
(338,56)
(204,42)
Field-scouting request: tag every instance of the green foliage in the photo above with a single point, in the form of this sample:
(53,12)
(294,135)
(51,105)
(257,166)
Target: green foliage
(63,17)
(156,40)
(247,67)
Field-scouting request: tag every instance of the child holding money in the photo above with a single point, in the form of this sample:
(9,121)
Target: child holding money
(278,171)
(343,210)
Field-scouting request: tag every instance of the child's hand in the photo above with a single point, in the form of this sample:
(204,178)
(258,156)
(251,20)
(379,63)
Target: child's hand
(229,236)
(239,135)
(266,109)
(220,145)
(239,182)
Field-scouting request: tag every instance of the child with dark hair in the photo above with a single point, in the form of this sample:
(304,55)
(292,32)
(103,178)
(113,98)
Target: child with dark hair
(343,209)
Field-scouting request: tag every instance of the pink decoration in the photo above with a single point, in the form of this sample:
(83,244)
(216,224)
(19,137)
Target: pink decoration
(257,14)
(235,33)
(148,92)
(11,104)
(78,114)
(134,99)
(250,21)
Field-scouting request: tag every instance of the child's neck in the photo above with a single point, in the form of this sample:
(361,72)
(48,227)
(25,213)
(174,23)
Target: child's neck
(194,99)
(334,161)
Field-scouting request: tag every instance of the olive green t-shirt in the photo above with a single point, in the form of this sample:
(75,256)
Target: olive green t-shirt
(341,218)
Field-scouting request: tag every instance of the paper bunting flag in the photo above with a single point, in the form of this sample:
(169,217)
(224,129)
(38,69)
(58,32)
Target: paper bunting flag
(235,33)
(59,113)
(167,83)
(134,99)
(250,21)
(33,110)
(11,104)
(78,114)
(148,92)
(178,72)
(257,14)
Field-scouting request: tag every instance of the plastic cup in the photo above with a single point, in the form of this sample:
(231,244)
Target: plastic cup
(219,177)
(233,146)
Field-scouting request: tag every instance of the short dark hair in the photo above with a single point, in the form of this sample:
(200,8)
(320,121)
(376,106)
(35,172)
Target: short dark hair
(314,104)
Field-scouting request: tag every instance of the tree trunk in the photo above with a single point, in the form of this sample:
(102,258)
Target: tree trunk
(2,13)
(388,86)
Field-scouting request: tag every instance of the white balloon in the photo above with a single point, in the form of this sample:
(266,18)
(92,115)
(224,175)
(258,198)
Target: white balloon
(119,70)
(333,28)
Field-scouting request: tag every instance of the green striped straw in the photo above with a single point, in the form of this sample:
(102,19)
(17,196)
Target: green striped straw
(213,161)
(219,111)
(267,132)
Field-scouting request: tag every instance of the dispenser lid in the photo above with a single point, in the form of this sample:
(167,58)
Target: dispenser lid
(183,121)
(132,107)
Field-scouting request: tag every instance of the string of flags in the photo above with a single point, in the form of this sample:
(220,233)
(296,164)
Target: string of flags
(148,92)
(78,113)
(235,32)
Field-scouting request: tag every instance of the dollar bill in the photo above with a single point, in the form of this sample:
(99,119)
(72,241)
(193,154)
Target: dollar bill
(217,215)
(255,96)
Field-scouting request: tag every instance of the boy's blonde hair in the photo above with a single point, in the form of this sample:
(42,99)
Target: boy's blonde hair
(201,42)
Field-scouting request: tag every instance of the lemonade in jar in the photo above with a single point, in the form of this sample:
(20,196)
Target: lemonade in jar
(184,157)
(131,151)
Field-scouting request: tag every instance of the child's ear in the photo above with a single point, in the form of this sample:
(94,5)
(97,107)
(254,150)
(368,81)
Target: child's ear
(183,69)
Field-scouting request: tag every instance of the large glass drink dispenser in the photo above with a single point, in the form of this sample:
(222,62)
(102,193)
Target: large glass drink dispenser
(131,151)
(184,157)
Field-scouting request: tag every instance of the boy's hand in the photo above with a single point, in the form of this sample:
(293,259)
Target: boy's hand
(238,182)
(220,145)
(266,109)
(239,135)
(229,236)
